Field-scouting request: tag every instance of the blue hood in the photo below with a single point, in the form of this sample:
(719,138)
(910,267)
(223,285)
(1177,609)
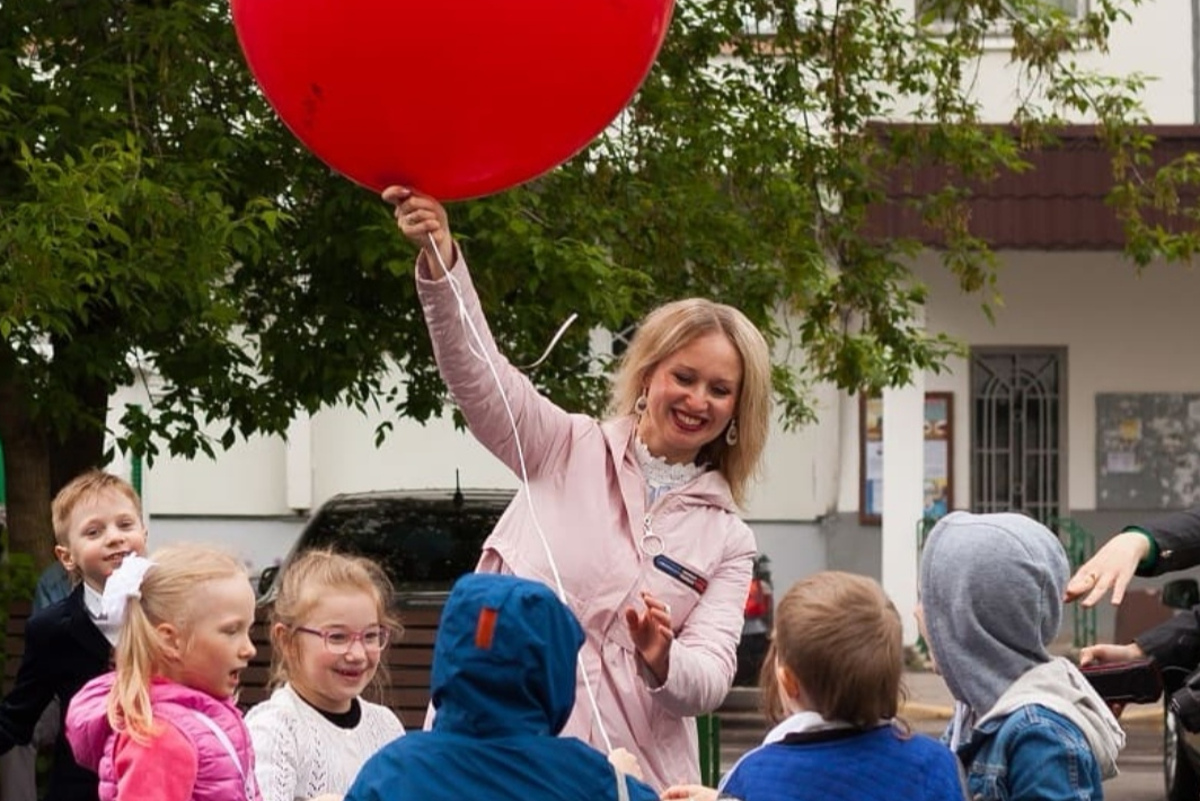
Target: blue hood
(504,660)
(504,685)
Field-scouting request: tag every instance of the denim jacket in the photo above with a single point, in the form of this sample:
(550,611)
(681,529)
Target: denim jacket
(1031,753)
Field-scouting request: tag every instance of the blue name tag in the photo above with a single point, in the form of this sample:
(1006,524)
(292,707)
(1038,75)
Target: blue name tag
(681,573)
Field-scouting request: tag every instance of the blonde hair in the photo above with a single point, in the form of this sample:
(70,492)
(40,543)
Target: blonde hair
(841,637)
(305,579)
(85,487)
(168,593)
(675,325)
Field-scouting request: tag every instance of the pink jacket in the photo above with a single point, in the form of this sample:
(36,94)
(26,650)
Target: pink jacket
(218,776)
(589,496)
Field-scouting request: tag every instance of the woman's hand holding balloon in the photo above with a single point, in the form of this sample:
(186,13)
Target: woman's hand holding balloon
(420,218)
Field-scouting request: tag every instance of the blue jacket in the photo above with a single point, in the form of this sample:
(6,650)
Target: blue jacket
(1031,753)
(848,765)
(503,686)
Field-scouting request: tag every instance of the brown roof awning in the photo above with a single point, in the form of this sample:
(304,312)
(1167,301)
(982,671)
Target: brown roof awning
(1059,203)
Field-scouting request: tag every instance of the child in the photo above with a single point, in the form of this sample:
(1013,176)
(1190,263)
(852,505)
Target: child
(330,628)
(1026,725)
(164,725)
(503,686)
(97,520)
(832,685)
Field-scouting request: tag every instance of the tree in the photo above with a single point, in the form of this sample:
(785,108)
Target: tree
(154,215)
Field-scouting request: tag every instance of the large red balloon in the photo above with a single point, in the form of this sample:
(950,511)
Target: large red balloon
(457,98)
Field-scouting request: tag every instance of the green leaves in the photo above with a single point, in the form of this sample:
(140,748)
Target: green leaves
(155,218)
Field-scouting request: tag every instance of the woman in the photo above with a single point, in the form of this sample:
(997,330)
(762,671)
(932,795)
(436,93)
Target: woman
(637,512)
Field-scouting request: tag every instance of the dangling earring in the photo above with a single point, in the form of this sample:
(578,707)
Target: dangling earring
(731,433)
(641,404)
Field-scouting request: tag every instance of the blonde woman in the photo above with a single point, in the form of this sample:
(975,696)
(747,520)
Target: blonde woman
(638,511)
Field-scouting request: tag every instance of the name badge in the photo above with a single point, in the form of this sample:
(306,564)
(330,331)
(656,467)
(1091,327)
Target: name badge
(681,573)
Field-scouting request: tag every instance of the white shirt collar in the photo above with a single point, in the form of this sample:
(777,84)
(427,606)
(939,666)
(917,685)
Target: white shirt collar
(801,722)
(92,601)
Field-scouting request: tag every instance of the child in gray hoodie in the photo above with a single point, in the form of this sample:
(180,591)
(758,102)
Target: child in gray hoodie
(1027,725)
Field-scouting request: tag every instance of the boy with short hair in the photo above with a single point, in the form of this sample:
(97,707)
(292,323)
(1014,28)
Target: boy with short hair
(1027,725)
(97,521)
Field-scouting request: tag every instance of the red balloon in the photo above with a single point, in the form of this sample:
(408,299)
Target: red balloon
(456,98)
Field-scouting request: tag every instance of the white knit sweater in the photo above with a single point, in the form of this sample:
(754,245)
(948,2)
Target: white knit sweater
(299,754)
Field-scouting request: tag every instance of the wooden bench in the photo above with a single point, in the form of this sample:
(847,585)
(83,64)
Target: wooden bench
(408,661)
(14,641)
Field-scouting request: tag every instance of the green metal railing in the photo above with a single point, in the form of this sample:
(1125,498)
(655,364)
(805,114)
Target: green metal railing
(1080,544)
(924,526)
(708,727)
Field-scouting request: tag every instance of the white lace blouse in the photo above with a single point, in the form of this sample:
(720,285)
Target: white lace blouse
(299,754)
(660,476)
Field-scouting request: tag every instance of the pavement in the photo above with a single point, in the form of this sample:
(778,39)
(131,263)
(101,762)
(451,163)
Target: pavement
(928,699)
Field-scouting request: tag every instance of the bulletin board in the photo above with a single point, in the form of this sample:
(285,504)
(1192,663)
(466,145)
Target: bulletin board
(939,448)
(1147,450)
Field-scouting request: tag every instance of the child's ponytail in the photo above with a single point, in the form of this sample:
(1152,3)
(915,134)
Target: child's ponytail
(138,652)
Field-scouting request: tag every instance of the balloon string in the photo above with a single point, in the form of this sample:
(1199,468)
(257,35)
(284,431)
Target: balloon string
(562,329)
(469,324)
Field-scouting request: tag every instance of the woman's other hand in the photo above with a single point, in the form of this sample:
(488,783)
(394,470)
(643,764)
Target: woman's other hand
(627,763)
(652,635)
(1111,568)
(420,217)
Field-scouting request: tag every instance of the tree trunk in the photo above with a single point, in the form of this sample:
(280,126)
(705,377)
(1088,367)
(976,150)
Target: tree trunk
(26,467)
(82,448)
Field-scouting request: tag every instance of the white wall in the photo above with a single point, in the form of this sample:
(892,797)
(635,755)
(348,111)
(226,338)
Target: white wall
(800,475)
(1157,44)
(412,456)
(1124,332)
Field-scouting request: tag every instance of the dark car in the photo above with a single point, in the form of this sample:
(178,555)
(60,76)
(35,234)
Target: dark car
(756,630)
(1181,748)
(423,539)
(426,539)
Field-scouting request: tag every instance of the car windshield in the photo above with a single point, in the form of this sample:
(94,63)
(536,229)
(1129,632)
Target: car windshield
(422,546)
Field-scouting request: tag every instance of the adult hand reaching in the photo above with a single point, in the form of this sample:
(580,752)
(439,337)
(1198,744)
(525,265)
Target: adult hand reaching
(652,635)
(1106,653)
(420,217)
(1111,568)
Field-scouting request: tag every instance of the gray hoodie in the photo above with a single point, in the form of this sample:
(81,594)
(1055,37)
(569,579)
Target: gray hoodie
(991,590)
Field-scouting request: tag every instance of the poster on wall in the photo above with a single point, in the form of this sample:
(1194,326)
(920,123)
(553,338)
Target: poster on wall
(939,446)
(1147,450)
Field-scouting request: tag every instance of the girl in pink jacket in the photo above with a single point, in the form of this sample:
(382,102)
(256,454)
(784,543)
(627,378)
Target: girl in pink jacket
(164,726)
(634,517)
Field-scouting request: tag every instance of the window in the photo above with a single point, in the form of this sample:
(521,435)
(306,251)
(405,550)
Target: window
(946,8)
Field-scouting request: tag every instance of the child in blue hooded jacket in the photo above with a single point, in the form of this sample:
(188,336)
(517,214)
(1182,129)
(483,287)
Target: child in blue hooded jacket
(1027,725)
(503,685)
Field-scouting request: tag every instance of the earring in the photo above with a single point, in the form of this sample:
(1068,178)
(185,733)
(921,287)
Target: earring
(731,433)
(641,404)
